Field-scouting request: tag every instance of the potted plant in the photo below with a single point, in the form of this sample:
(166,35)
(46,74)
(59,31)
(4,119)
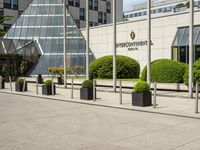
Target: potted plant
(47,88)
(40,79)
(20,84)
(86,92)
(2,83)
(141,95)
(60,77)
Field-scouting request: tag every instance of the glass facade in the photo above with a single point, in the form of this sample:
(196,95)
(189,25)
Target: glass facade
(40,30)
(180,46)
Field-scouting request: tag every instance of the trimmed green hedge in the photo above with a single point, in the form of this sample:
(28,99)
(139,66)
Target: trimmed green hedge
(166,71)
(141,86)
(196,73)
(103,68)
(87,84)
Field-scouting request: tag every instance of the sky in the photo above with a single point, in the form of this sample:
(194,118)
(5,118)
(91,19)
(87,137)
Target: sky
(128,3)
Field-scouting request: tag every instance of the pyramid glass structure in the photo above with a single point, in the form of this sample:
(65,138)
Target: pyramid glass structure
(38,35)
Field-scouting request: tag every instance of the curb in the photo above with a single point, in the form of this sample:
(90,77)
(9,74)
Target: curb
(100,105)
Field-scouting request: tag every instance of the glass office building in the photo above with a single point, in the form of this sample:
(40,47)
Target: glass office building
(38,37)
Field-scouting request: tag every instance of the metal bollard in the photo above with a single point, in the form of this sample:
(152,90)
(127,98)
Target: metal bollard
(72,89)
(120,92)
(94,90)
(1,83)
(24,84)
(154,95)
(37,85)
(197,99)
(52,88)
(10,83)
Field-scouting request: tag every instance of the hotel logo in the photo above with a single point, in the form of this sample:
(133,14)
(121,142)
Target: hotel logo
(132,34)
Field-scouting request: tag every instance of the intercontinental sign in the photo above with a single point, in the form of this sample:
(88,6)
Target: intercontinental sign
(132,45)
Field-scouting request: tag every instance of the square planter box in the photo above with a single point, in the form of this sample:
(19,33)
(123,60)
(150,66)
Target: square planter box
(3,85)
(60,81)
(86,93)
(141,99)
(19,87)
(47,90)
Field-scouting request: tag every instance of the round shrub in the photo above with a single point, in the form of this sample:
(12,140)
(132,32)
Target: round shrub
(20,81)
(166,71)
(196,73)
(103,68)
(141,86)
(48,83)
(87,84)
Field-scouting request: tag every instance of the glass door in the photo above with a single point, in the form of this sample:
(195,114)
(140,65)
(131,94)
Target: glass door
(183,54)
(197,52)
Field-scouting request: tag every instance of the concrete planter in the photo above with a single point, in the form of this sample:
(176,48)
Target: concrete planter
(86,93)
(141,99)
(19,87)
(39,78)
(47,90)
(3,85)
(60,81)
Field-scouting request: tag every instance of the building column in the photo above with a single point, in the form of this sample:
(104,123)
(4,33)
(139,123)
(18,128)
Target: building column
(191,40)
(114,47)
(149,41)
(87,39)
(64,42)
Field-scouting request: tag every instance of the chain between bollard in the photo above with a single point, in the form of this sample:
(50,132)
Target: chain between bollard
(72,89)
(154,95)
(94,90)
(197,99)
(10,83)
(120,92)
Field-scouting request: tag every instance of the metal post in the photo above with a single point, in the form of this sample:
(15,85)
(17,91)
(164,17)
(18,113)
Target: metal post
(149,41)
(37,85)
(120,92)
(154,95)
(72,90)
(65,40)
(24,84)
(1,83)
(88,39)
(10,83)
(191,29)
(94,90)
(52,88)
(197,99)
(114,47)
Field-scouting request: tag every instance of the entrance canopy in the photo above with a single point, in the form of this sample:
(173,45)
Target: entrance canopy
(182,36)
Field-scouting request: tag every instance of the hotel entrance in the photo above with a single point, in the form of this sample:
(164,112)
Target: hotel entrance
(180,47)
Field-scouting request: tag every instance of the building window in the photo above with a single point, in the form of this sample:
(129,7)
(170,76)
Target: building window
(102,17)
(1,13)
(92,24)
(7,4)
(82,13)
(15,4)
(11,4)
(108,7)
(75,3)
(93,4)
